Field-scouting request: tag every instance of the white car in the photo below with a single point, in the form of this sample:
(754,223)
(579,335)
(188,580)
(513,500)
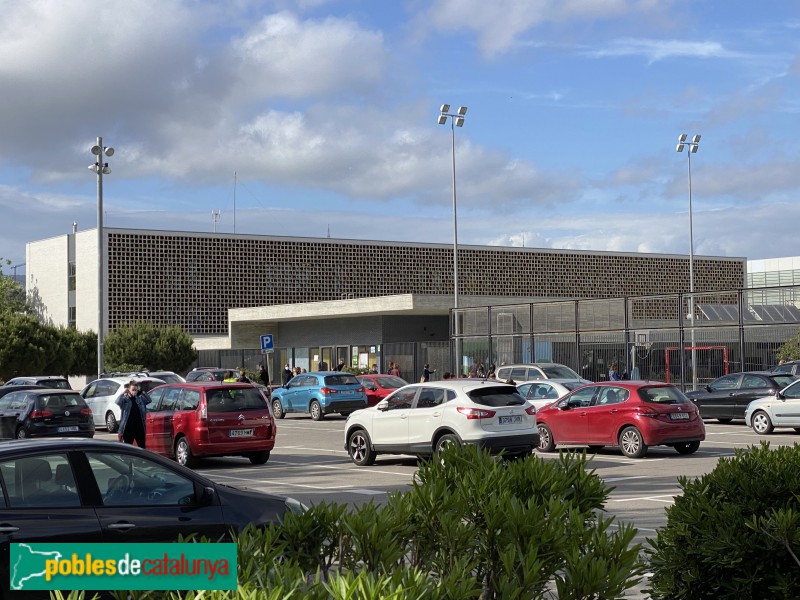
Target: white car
(423,418)
(542,392)
(531,371)
(779,410)
(101,396)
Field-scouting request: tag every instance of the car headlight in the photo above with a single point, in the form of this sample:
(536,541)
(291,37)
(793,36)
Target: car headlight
(294,505)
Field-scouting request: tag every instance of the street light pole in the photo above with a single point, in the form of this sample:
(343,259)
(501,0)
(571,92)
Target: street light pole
(691,148)
(100,168)
(456,120)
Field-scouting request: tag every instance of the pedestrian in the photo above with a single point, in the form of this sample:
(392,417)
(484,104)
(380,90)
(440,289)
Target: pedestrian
(613,373)
(243,378)
(133,403)
(473,370)
(297,371)
(426,373)
(447,375)
(322,366)
(263,375)
(340,366)
(374,370)
(229,377)
(286,375)
(481,370)
(395,370)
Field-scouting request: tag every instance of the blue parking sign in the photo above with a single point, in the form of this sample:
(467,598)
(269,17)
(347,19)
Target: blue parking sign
(266,342)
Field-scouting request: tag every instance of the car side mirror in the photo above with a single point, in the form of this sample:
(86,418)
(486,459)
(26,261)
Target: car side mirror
(780,395)
(382,405)
(207,498)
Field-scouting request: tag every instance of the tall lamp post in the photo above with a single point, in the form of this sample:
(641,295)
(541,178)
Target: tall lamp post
(101,168)
(456,120)
(691,148)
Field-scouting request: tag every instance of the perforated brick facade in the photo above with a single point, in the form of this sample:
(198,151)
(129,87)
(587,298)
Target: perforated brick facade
(192,279)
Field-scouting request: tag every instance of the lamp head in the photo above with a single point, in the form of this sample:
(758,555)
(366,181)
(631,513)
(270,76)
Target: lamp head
(459,121)
(682,138)
(462,110)
(109,151)
(696,139)
(106,170)
(445,108)
(442,119)
(679,148)
(96,150)
(693,148)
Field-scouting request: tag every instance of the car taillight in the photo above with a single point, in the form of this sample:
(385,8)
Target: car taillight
(475,413)
(647,411)
(41,414)
(203,410)
(328,391)
(531,410)
(359,390)
(86,411)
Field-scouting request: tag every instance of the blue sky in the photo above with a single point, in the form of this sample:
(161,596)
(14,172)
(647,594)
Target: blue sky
(326,112)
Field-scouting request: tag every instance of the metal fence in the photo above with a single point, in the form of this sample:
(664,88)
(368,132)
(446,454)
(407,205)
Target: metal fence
(686,339)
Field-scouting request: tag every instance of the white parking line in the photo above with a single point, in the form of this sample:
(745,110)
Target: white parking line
(624,478)
(324,450)
(670,499)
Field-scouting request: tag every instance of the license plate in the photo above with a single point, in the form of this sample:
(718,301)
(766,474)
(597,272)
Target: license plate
(510,420)
(67,429)
(679,416)
(241,433)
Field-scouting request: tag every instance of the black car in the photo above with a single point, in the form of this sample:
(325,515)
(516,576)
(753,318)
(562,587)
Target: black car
(40,412)
(791,367)
(209,374)
(74,490)
(51,381)
(727,398)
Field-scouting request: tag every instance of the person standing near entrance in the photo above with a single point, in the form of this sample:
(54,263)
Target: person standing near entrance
(133,402)
(395,370)
(263,376)
(426,373)
(286,375)
(340,366)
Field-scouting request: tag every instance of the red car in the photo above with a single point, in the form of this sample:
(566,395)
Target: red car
(630,414)
(186,421)
(377,386)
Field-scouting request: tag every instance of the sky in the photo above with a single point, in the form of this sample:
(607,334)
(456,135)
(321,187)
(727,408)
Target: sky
(318,118)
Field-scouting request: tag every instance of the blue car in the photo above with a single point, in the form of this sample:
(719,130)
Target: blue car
(319,394)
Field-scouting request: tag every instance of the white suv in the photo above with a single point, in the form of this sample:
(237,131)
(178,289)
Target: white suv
(101,396)
(423,418)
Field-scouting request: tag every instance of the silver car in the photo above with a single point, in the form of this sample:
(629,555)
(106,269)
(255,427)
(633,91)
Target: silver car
(779,410)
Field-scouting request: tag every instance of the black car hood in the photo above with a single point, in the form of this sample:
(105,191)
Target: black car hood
(243,507)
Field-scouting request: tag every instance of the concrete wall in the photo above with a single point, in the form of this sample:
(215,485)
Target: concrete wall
(86,280)
(46,266)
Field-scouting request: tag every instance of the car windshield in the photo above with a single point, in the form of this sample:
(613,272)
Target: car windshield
(559,372)
(146,386)
(665,394)
(343,379)
(390,383)
(783,380)
(571,385)
(235,399)
(496,396)
(59,401)
(169,378)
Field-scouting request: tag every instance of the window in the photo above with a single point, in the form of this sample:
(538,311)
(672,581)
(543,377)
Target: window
(44,481)
(543,391)
(496,396)
(612,395)
(191,399)
(729,382)
(235,399)
(430,397)
(402,399)
(662,395)
(170,399)
(343,379)
(579,398)
(754,381)
(126,480)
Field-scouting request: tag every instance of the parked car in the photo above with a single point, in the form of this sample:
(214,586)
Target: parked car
(207,374)
(7,389)
(727,397)
(423,418)
(319,393)
(186,421)
(94,491)
(378,386)
(791,367)
(779,410)
(165,376)
(101,396)
(632,415)
(542,392)
(49,381)
(43,412)
(528,372)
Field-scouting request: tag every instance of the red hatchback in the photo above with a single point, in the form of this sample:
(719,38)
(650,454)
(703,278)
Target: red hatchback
(630,414)
(377,386)
(186,421)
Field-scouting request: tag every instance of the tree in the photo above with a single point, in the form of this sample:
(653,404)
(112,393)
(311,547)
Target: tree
(12,293)
(790,350)
(145,343)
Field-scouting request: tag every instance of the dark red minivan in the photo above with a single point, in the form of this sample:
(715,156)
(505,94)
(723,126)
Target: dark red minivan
(186,421)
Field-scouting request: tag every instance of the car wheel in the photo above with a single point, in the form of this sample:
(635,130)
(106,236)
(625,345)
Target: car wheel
(546,441)
(259,458)
(762,423)
(446,440)
(687,447)
(316,411)
(111,422)
(359,447)
(632,443)
(724,421)
(183,453)
(277,409)
(22,433)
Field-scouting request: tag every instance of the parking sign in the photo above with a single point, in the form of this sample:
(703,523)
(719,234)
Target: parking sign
(267,343)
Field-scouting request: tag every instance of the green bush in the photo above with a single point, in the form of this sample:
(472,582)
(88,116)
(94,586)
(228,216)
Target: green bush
(733,533)
(471,527)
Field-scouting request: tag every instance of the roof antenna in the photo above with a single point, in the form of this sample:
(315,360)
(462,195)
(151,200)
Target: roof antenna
(329,230)
(234,202)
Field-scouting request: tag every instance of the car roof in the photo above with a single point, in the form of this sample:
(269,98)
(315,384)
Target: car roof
(41,390)
(466,385)
(560,380)
(206,384)
(127,379)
